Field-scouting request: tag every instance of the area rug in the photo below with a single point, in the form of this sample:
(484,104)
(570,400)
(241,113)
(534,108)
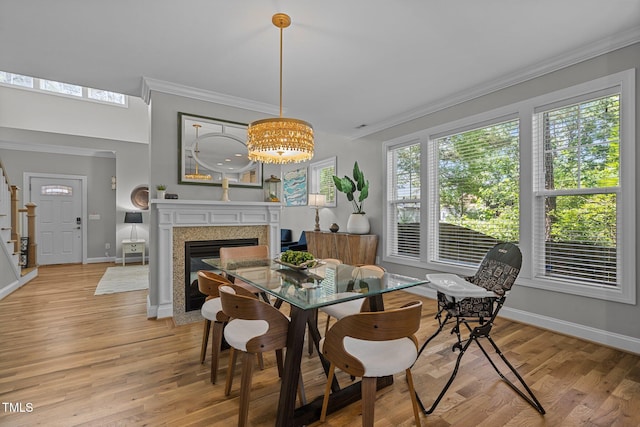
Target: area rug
(123,279)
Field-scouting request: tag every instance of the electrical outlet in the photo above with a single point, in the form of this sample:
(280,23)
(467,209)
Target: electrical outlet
(107,245)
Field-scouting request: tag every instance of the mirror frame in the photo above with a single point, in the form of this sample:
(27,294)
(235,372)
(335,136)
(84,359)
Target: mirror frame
(186,150)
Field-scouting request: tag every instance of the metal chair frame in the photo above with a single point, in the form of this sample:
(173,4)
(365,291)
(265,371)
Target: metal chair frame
(482,330)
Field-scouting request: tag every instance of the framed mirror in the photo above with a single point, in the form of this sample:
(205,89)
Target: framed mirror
(212,149)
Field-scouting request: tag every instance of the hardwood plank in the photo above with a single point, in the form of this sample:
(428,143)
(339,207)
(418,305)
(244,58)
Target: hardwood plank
(81,359)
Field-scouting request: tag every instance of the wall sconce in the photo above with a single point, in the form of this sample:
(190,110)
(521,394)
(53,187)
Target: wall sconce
(113,182)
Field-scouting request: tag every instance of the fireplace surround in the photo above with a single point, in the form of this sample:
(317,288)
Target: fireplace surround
(194,253)
(174,222)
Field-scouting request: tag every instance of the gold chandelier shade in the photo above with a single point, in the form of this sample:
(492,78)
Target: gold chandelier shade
(280,140)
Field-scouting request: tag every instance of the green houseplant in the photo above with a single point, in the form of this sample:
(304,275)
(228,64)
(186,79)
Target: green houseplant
(356,190)
(161,190)
(349,187)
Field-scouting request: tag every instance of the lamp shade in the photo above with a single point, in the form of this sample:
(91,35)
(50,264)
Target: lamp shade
(317,200)
(133,218)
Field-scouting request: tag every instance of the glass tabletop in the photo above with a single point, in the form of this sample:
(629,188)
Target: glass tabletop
(323,285)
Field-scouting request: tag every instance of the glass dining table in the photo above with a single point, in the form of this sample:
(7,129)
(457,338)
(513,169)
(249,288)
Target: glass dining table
(307,290)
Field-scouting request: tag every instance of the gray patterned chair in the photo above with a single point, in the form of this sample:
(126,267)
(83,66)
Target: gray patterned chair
(497,273)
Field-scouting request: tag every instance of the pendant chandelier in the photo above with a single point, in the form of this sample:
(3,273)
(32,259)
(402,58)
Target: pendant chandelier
(280,140)
(197,175)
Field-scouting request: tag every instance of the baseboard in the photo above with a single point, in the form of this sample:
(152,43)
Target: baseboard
(7,290)
(161,311)
(100,260)
(23,280)
(610,339)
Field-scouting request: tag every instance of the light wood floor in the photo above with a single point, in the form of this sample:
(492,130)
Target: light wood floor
(80,359)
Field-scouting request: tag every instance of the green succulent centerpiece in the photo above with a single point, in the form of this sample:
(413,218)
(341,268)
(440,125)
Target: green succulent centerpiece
(350,187)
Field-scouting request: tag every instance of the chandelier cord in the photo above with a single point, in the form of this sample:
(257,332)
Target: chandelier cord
(281,32)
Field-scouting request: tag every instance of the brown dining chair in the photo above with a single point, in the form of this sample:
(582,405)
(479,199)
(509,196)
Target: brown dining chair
(255,327)
(338,311)
(211,310)
(371,345)
(240,254)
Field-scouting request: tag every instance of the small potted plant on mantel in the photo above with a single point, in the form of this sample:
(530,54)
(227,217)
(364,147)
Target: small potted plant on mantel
(358,222)
(161,190)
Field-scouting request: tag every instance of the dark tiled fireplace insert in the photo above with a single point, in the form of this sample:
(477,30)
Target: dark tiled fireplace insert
(194,253)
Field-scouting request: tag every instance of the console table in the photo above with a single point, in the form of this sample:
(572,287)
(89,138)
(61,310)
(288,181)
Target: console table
(353,249)
(132,247)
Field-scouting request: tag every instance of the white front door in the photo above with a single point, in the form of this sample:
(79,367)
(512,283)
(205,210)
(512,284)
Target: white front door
(58,219)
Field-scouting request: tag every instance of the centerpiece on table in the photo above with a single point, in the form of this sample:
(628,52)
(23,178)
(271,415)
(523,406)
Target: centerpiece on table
(358,222)
(298,260)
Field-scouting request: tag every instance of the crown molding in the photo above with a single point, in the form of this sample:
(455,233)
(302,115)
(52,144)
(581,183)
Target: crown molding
(149,85)
(593,50)
(56,149)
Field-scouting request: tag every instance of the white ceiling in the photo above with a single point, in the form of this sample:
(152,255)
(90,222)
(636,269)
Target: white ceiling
(346,62)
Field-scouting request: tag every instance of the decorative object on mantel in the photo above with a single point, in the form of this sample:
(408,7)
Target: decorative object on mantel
(280,140)
(358,222)
(225,189)
(317,201)
(161,191)
(272,189)
(334,228)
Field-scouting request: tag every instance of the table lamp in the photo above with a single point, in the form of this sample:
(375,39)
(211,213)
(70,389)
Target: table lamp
(133,218)
(317,201)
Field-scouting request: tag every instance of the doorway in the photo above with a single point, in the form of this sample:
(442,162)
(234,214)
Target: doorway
(61,202)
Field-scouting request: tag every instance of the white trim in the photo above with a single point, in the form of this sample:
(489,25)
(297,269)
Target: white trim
(611,339)
(149,85)
(26,181)
(56,149)
(588,333)
(600,47)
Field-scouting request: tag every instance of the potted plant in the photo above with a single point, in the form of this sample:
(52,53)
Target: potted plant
(356,190)
(161,190)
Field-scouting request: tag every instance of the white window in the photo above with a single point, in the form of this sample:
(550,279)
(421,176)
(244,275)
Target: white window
(555,174)
(403,196)
(321,179)
(475,177)
(16,79)
(63,89)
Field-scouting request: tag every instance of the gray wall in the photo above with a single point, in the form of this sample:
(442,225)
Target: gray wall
(368,155)
(128,162)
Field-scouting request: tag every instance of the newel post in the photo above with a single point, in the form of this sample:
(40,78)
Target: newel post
(31,233)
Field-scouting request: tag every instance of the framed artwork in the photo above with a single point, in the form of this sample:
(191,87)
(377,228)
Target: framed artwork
(321,179)
(294,187)
(211,149)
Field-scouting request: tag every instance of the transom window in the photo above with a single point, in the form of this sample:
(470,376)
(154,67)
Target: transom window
(62,89)
(56,190)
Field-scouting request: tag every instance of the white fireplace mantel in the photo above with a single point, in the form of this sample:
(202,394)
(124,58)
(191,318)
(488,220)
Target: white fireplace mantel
(168,214)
